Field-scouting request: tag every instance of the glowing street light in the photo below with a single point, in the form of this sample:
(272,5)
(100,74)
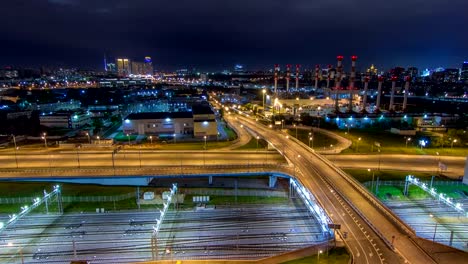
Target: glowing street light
(175,138)
(257,141)
(99,140)
(89,138)
(407,140)
(44,137)
(20,251)
(128,136)
(311,139)
(16,154)
(264,92)
(372,184)
(151,139)
(296,129)
(204,137)
(453,141)
(318,255)
(357,147)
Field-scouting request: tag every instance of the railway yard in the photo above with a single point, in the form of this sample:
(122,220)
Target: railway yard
(237,231)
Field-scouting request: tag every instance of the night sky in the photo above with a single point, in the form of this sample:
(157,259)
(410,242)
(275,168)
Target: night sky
(216,34)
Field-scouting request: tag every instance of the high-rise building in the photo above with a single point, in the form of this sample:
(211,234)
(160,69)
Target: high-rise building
(464,72)
(138,68)
(123,67)
(148,67)
(413,72)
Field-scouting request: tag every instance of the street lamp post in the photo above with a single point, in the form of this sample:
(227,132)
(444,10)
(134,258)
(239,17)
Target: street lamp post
(20,251)
(257,141)
(128,136)
(175,141)
(379,159)
(357,147)
(16,149)
(295,126)
(78,156)
(297,157)
(263,91)
(318,255)
(453,141)
(44,137)
(151,139)
(99,140)
(204,152)
(435,229)
(372,183)
(282,124)
(89,138)
(407,140)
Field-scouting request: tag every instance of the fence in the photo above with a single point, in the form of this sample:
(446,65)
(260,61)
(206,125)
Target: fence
(115,198)
(69,199)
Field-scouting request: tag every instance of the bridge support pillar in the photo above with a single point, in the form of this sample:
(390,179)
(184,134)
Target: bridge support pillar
(272,181)
(210,180)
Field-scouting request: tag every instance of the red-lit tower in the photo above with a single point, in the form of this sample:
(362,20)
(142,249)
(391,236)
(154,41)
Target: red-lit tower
(297,75)
(392,93)
(329,76)
(277,69)
(379,93)
(339,69)
(351,82)
(405,98)
(288,76)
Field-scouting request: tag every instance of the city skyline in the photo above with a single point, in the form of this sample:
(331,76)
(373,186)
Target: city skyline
(209,35)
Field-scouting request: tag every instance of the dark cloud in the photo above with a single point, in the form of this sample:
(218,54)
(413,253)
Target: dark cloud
(212,33)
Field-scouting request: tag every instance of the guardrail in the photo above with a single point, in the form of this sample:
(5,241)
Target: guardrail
(371,198)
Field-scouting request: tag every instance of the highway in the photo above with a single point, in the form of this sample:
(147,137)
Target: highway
(365,245)
(421,163)
(125,158)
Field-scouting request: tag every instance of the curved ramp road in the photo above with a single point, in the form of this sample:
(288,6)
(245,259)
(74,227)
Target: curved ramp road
(364,224)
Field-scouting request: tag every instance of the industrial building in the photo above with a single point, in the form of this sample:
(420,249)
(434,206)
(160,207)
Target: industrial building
(70,120)
(200,122)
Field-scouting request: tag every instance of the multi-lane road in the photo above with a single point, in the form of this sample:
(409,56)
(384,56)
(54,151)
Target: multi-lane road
(357,214)
(145,158)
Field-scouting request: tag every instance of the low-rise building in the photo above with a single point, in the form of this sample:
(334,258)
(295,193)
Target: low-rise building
(159,123)
(70,120)
(204,121)
(199,123)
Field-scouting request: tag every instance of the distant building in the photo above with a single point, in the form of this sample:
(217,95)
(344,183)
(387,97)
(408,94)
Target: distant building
(148,68)
(198,123)
(204,121)
(464,72)
(111,67)
(138,68)
(413,72)
(70,120)
(372,70)
(159,123)
(123,67)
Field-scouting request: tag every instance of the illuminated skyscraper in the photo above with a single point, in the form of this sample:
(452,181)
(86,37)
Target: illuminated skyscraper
(464,72)
(123,67)
(148,67)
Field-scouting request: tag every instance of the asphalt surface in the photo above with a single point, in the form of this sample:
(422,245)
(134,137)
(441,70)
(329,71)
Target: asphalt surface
(365,245)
